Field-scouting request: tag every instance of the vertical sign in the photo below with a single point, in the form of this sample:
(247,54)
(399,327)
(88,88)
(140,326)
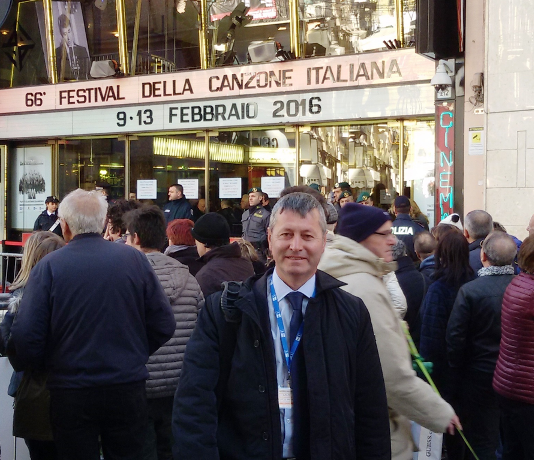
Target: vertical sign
(445,159)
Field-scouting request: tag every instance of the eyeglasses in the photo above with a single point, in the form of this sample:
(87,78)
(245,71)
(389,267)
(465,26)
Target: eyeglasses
(388,233)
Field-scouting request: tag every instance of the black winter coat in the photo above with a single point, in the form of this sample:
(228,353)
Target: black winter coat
(44,222)
(474,255)
(474,329)
(189,257)
(347,401)
(178,209)
(413,285)
(222,264)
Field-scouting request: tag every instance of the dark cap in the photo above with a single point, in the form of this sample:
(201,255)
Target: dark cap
(211,229)
(364,196)
(358,222)
(345,194)
(315,186)
(51,199)
(255,189)
(402,202)
(342,185)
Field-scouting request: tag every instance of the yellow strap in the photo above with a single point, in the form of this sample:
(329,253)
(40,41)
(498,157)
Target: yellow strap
(419,361)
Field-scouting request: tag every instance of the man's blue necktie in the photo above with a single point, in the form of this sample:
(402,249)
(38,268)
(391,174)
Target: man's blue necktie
(301,437)
(295,299)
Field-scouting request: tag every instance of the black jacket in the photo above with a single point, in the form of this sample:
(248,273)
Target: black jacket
(404,228)
(45,222)
(178,209)
(347,400)
(474,329)
(474,255)
(222,264)
(413,285)
(188,256)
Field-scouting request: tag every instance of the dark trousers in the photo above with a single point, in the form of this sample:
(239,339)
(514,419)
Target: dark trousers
(479,414)
(517,423)
(116,413)
(41,450)
(159,440)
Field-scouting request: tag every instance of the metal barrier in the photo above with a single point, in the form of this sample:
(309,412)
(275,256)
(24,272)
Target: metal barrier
(10,266)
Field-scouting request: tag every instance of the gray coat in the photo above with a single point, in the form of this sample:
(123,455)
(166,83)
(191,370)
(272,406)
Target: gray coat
(186,299)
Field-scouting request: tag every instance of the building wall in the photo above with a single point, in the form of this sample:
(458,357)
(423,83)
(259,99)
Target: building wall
(510,114)
(474,165)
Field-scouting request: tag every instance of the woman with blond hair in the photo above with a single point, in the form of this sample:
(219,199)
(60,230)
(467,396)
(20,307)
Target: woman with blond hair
(31,419)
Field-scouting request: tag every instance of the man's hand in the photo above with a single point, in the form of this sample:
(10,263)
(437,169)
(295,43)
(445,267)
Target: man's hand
(455,422)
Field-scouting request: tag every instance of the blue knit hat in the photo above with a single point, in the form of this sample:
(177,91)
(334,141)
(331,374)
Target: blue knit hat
(358,222)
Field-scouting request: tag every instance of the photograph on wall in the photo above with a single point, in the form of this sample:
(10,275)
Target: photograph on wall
(70,40)
(33,183)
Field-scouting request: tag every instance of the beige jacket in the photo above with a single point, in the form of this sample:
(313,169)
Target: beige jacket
(409,397)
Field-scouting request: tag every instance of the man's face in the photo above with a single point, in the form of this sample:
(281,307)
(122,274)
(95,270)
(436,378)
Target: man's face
(296,244)
(66,36)
(337,192)
(381,242)
(367,202)
(174,194)
(530,228)
(202,205)
(344,201)
(51,206)
(254,198)
(264,202)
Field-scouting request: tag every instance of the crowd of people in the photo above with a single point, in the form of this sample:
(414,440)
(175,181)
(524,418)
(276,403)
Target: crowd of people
(273,330)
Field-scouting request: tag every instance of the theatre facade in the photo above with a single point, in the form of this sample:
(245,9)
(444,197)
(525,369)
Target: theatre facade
(217,123)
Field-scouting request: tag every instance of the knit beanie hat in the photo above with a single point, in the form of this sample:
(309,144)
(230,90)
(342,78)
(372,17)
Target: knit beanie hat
(358,222)
(212,229)
(331,215)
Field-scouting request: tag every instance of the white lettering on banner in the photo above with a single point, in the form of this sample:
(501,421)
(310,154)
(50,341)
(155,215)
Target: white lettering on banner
(278,109)
(402,230)
(335,72)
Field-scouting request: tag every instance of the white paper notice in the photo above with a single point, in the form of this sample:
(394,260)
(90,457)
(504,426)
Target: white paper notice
(190,188)
(230,187)
(147,189)
(273,185)
(476,141)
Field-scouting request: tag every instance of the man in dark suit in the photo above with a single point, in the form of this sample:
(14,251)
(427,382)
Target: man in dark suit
(48,219)
(74,56)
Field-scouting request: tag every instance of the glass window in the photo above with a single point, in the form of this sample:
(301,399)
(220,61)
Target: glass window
(419,164)
(167,36)
(91,163)
(83,32)
(346,27)
(255,32)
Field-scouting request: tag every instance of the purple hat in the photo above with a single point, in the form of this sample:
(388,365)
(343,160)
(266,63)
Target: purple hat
(358,222)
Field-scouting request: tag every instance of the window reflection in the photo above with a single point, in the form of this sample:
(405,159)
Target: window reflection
(91,163)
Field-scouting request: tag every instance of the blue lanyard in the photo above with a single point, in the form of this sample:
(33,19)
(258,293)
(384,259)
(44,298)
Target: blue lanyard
(283,338)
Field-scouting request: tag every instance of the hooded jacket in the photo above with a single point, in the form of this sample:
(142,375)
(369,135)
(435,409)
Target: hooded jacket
(186,299)
(409,397)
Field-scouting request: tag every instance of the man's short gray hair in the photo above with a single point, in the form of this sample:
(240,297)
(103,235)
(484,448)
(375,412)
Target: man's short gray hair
(500,249)
(478,224)
(84,212)
(300,203)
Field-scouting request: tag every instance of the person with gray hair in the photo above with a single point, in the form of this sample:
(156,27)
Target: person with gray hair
(477,225)
(91,315)
(273,369)
(473,340)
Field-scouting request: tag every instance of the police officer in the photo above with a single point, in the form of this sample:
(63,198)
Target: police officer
(339,188)
(344,198)
(48,219)
(404,228)
(255,221)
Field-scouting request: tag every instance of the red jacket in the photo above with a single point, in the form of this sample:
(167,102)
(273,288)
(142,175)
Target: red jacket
(514,373)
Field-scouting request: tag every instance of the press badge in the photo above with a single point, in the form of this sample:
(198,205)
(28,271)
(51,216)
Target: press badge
(285,398)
